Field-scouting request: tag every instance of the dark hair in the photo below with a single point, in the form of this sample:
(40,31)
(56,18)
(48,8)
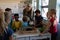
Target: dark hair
(24,18)
(8,9)
(16,15)
(37,11)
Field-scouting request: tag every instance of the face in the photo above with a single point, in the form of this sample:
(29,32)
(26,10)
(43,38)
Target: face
(8,19)
(37,14)
(16,18)
(10,13)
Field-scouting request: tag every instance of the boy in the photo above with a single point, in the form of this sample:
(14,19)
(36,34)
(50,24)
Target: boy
(38,19)
(25,22)
(16,24)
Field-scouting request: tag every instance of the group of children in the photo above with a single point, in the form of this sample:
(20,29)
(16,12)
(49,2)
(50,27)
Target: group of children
(17,24)
(51,16)
(5,20)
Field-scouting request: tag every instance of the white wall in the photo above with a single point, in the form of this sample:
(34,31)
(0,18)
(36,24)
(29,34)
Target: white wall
(52,4)
(58,10)
(15,5)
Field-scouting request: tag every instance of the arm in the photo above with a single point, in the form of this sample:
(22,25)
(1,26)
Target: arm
(11,38)
(10,33)
(55,22)
(47,26)
(20,24)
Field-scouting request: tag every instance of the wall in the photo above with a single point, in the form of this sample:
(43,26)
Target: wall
(58,9)
(52,4)
(15,5)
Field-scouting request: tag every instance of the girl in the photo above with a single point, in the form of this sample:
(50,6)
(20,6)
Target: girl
(53,21)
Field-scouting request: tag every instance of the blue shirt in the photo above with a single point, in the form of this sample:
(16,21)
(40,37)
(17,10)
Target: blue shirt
(6,34)
(25,24)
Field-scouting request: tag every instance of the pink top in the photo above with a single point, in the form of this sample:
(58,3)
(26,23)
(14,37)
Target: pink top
(53,28)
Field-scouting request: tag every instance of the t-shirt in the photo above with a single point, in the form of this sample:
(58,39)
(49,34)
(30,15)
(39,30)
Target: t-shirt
(38,19)
(6,34)
(16,24)
(25,24)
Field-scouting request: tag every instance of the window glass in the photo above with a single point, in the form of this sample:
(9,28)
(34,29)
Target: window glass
(44,11)
(34,4)
(45,2)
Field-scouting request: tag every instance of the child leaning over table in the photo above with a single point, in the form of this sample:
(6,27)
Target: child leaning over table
(16,25)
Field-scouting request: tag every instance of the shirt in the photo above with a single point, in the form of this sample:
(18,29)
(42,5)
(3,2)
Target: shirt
(53,27)
(16,24)
(38,19)
(25,24)
(6,34)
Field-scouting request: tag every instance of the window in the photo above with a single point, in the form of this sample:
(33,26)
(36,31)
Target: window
(58,10)
(34,4)
(44,11)
(43,6)
(45,2)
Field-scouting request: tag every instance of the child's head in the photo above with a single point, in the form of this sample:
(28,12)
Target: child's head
(7,18)
(25,19)
(8,9)
(16,16)
(37,12)
(53,13)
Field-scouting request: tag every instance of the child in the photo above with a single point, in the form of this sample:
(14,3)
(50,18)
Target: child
(16,24)
(38,19)
(53,27)
(25,22)
(5,32)
(9,11)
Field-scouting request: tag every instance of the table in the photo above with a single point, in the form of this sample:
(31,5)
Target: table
(31,36)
